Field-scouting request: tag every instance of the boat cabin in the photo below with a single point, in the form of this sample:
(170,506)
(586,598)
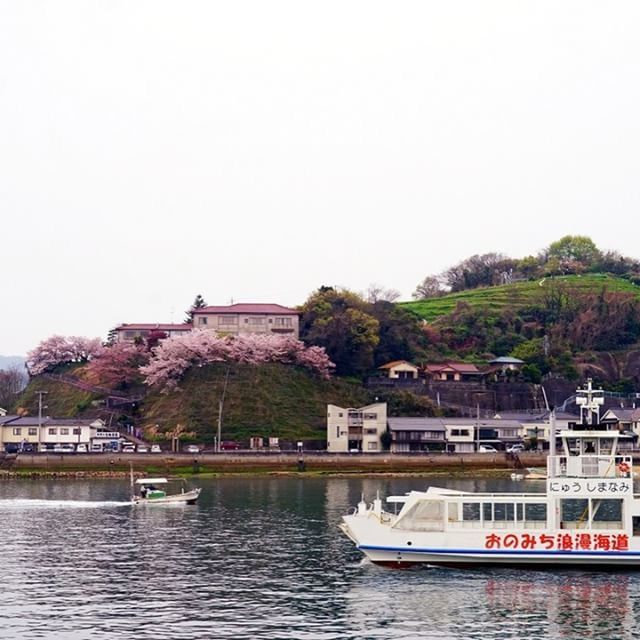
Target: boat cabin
(149,488)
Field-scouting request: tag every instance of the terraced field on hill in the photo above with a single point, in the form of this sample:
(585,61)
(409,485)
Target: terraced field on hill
(516,295)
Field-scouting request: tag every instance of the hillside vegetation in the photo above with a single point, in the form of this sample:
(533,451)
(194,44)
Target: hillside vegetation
(266,400)
(517,295)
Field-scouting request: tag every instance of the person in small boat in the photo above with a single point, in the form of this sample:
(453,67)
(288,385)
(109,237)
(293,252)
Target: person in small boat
(143,491)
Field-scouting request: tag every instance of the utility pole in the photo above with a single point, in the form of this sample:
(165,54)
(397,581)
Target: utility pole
(220,406)
(40,394)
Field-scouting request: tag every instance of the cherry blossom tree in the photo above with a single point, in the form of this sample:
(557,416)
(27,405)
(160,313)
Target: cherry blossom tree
(57,350)
(118,365)
(173,357)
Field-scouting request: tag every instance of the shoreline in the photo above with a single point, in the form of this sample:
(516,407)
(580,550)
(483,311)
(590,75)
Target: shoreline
(119,466)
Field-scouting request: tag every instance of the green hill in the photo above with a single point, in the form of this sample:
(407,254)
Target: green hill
(516,295)
(266,400)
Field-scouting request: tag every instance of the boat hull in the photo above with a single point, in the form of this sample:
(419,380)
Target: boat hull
(188,497)
(472,558)
(401,549)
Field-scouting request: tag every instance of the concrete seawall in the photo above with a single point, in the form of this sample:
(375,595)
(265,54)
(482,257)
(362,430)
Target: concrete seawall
(249,462)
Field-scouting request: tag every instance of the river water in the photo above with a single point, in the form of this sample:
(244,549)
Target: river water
(262,558)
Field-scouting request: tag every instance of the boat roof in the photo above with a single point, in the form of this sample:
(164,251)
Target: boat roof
(152,481)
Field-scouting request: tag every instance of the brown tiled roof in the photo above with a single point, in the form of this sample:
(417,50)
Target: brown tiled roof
(459,367)
(274,309)
(154,327)
(395,363)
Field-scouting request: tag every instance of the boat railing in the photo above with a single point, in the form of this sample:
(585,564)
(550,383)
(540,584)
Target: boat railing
(497,524)
(590,466)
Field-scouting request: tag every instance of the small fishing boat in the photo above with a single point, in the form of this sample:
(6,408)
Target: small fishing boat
(152,491)
(588,517)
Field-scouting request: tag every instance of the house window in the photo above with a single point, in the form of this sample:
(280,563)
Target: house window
(227,320)
(130,334)
(76,431)
(372,446)
(256,321)
(283,322)
(370,416)
(52,431)
(337,432)
(17,431)
(459,432)
(202,320)
(33,431)
(64,431)
(370,432)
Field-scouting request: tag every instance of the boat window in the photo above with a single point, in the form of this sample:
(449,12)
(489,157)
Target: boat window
(519,511)
(535,511)
(606,513)
(487,511)
(503,511)
(574,513)
(425,515)
(471,511)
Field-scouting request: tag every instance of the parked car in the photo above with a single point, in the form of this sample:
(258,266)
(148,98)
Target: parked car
(12,447)
(515,448)
(128,448)
(64,448)
(81,448)
(142,448)
(193,448)
(229,445)
(487,448)
(155,448)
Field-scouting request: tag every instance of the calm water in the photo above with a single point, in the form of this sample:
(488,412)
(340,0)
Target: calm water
(262,558)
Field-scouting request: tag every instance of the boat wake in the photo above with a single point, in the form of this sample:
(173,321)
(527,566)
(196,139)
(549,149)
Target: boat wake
(25,503)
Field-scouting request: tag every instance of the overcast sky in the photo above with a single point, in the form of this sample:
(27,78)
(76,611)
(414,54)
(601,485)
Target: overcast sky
(254,151)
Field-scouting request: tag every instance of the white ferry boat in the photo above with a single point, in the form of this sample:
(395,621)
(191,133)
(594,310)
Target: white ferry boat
(588,517)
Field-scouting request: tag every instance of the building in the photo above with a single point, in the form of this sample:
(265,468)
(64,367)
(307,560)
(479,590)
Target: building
(136,332)
(400,370)
(238,319)
(356,430)
(410,435)
(30,433)
(453,372)
(506,363)
(625,420)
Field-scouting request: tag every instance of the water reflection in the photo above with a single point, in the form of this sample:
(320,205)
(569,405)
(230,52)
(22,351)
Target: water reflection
(262,558)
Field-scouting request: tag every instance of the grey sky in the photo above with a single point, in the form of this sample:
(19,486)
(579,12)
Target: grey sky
(150,151)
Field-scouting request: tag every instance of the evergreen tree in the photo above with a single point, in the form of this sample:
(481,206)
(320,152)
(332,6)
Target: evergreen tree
(198,303)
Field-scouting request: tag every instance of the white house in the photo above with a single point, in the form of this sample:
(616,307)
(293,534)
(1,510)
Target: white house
(400,370)
(356,430)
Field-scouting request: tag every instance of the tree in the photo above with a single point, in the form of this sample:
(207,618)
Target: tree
(430,287)
(401,335)
(341,322)
(118,365)
(57,350)
(198,303)
(173,357)
(377,293)
(478,271)
(12,382)
(574,249)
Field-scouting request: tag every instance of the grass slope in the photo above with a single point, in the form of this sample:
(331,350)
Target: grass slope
(62,400)
(267,400)
(515,295)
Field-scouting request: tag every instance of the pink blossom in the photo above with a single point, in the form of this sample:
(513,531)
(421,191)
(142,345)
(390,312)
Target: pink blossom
(173,357)
(57,350)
